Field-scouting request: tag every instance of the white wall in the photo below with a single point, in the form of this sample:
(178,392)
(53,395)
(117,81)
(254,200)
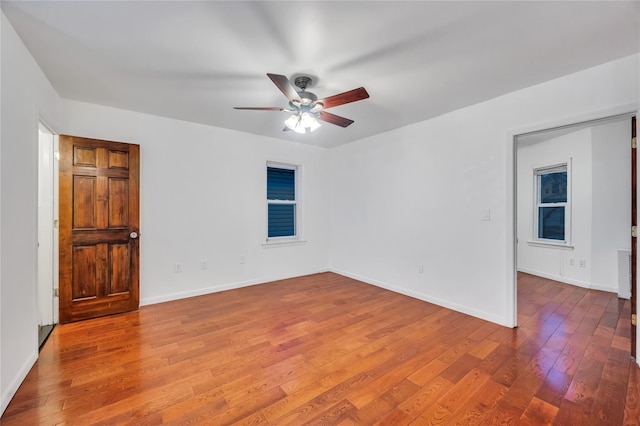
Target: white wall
(417,195)
(27,97)
(611,186)
(203,197)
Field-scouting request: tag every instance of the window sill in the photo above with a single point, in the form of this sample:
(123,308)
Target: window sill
(561,246)
(283,243)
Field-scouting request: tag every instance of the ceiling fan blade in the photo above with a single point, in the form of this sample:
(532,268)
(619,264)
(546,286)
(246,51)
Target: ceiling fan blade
(344,98)
(334,119)
(285,87)
(262,108)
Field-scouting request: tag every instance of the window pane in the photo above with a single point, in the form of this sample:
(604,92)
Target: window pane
(281,184)
(551,223)
(282,219)
(553,187)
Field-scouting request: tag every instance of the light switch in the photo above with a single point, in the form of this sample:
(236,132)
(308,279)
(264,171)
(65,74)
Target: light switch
(486,214)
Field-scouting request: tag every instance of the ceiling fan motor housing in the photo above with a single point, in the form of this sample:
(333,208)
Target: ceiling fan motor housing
(307,97)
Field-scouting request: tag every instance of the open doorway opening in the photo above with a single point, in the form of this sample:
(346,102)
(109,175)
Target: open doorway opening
(573,204)
(47,233)
(572,222)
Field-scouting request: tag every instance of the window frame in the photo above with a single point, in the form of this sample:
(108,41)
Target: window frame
(537,204)
(297,203)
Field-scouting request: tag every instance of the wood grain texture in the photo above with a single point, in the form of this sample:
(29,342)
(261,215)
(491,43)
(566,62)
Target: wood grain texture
(99,208)
(325,349)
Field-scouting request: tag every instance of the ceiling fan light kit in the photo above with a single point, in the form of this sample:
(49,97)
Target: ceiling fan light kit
(302,122)
(306,107)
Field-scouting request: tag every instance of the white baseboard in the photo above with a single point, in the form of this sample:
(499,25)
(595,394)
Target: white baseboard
(579,283)
(421,296)
(217,288)
(425,297)
(198,292)
(17,380)
(602,287)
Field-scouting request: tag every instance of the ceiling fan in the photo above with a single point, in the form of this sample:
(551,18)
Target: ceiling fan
(306,107)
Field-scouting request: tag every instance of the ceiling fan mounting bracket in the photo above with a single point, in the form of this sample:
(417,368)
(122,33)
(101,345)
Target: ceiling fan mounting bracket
(302,82)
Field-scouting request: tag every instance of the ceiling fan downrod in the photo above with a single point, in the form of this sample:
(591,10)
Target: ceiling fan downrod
(302,82)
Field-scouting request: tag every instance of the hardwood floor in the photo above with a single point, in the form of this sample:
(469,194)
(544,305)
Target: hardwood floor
(325,349)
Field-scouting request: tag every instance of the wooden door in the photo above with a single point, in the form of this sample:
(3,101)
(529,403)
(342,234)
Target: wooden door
(99,228)
(634,240)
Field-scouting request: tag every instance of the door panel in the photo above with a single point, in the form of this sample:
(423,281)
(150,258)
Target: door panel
(99,208)
(119,274)
(118,203)
(84,272)
(84,197)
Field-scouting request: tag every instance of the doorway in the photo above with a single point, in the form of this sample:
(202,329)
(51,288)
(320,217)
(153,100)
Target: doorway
(589,261)
(47,254)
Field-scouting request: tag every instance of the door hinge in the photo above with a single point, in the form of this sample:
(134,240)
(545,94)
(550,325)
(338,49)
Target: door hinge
(634,231)
(56,292)
(634,319)
(634,143)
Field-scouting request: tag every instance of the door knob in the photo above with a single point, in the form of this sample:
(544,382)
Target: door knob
(133,235)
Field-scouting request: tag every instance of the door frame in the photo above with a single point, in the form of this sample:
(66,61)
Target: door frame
(634,239)
(511,293)
(43,126)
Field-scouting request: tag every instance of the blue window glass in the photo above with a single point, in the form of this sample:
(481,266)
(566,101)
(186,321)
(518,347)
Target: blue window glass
(281,184)
(282,219)
(551,223)
(553,187)
(281,202)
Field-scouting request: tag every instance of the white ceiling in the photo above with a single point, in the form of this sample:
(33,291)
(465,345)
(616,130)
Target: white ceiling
(194,61)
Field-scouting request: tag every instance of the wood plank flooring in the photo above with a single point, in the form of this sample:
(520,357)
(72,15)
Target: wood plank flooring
(325,349)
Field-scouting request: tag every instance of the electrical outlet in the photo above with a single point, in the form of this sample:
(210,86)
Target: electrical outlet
(582,263)
(177,267)
(243,259)
(203,265)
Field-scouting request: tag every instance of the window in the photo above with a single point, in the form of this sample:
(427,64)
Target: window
(552,202)
(282,202)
